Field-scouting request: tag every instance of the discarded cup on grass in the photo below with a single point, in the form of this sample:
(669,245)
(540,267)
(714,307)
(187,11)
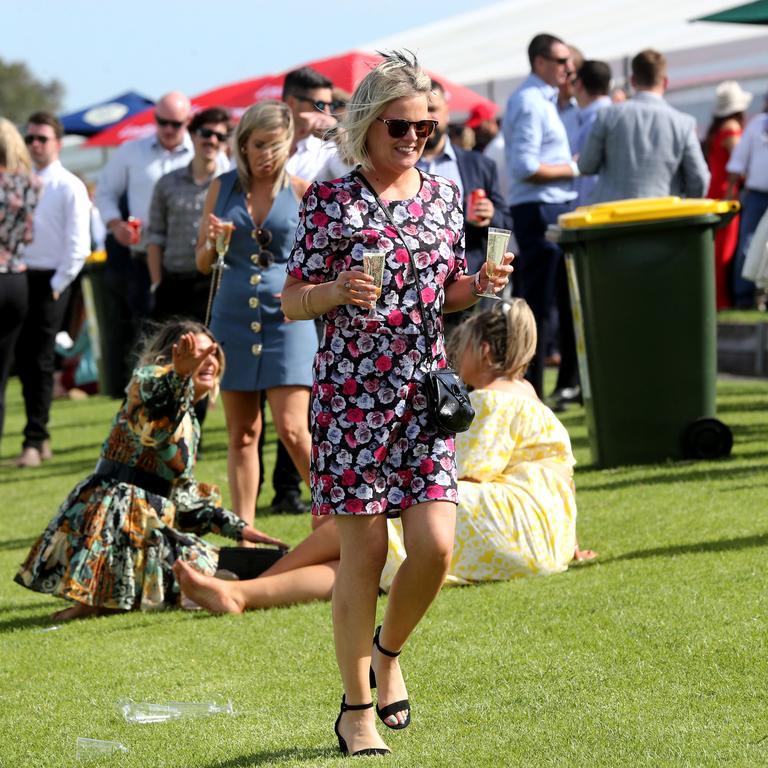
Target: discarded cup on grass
(90,749)
(147,712)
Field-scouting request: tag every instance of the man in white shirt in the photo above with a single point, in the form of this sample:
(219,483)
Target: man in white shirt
(310,97)
(125,190)
(749,163)
(61,242)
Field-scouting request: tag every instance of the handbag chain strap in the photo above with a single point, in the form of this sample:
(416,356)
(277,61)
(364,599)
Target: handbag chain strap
(400,234)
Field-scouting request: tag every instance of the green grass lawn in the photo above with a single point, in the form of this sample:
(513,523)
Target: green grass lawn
(653,656)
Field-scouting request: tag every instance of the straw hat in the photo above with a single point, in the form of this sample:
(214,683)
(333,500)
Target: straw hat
(730,99)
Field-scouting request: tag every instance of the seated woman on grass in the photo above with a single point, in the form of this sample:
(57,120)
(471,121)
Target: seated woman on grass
(113,542)
(517,511)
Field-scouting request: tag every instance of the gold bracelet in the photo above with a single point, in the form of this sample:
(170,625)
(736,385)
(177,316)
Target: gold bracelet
(305,303)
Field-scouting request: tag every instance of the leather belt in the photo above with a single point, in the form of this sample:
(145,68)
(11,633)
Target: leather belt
(122,473)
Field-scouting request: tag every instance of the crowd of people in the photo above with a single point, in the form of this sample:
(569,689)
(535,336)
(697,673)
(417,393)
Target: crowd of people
(247,246)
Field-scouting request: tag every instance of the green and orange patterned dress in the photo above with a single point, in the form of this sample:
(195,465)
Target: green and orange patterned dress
(112,544)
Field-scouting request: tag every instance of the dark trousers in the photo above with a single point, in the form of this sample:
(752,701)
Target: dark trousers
(540,279)
(753,205)
(126,307)
(35,354)
(13,310)
(182,295)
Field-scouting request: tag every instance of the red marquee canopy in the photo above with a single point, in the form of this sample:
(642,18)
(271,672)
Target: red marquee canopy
(345,71)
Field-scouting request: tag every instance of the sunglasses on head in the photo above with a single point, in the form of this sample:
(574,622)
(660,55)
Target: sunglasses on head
(398,128)
(30,139)
(263,238)
(208,133)
(163,123)
(318,104)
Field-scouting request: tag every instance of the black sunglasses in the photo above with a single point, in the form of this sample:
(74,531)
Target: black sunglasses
(30,139)
(318,104)
(561,61)
(207,133)
(337,104)
(163,123)
(263,238)
(398,127)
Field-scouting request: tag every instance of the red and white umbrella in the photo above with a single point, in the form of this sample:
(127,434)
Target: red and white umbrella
(345,71)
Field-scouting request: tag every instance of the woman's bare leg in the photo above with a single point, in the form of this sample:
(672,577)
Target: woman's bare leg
(363,553)
(321,546)
(290,413)
(243,416)
(428,537)
(303,585)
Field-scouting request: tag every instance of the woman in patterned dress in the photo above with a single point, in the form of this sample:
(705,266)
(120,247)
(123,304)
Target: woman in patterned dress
(375,451)
(19,193)
(113,542)
(517,511)
(265,353)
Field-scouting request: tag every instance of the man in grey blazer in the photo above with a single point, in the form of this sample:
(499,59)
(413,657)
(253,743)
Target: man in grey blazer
(644,147)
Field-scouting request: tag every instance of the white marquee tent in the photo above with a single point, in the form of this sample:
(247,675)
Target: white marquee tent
(486,48)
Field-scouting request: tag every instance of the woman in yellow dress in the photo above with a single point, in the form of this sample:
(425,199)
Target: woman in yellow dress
(517,510)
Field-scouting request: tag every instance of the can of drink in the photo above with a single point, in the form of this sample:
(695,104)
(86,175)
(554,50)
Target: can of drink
(474,196)
(135,225)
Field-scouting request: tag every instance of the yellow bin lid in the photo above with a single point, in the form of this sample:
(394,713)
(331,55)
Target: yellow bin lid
(643,209)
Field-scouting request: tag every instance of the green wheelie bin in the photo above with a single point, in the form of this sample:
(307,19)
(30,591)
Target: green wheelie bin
(641,279)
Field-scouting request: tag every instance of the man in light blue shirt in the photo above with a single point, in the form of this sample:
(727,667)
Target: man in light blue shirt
(541,173)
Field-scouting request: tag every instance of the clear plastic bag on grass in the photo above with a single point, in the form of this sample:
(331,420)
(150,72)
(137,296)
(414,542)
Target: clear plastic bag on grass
(91,749)
(143,712)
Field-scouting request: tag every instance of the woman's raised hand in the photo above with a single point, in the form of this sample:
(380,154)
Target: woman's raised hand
(189,354)
(355,287)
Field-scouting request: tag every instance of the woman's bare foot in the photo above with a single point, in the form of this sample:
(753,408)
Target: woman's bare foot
(215,595)
(583,555)
(358,729)
(76,611)
(390,684)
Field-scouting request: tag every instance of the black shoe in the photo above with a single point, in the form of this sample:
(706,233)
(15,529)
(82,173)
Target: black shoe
(289,504)
(343,744)
(395,706)
(562,397)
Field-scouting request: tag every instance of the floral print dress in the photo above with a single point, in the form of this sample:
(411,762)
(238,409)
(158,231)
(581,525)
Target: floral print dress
(374,449)
(112,544)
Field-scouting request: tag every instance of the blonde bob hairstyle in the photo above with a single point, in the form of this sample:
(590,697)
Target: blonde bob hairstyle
(14,156)
(398,76)
(509,330)
(269,115)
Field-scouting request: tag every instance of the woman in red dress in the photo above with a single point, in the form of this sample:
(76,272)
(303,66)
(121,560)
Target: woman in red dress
(724,132)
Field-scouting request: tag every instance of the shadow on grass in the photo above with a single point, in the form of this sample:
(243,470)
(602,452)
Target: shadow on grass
(29,622)
(721,545)
(276,756)
(80,467)
(17,543)
(724,471)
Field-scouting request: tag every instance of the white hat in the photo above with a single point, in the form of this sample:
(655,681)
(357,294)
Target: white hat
(730,99)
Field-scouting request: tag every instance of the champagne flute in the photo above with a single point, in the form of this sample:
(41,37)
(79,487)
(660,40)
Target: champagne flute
(497,246)
(373,265)
(223,237)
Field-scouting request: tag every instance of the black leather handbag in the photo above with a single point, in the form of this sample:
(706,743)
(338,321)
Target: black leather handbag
(447,397)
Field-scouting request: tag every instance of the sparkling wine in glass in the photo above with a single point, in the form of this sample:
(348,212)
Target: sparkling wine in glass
(222,241)
(497,246)
(373,265)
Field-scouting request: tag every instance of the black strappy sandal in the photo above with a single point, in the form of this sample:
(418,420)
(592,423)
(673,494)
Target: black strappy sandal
(395,706)
(343,744)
